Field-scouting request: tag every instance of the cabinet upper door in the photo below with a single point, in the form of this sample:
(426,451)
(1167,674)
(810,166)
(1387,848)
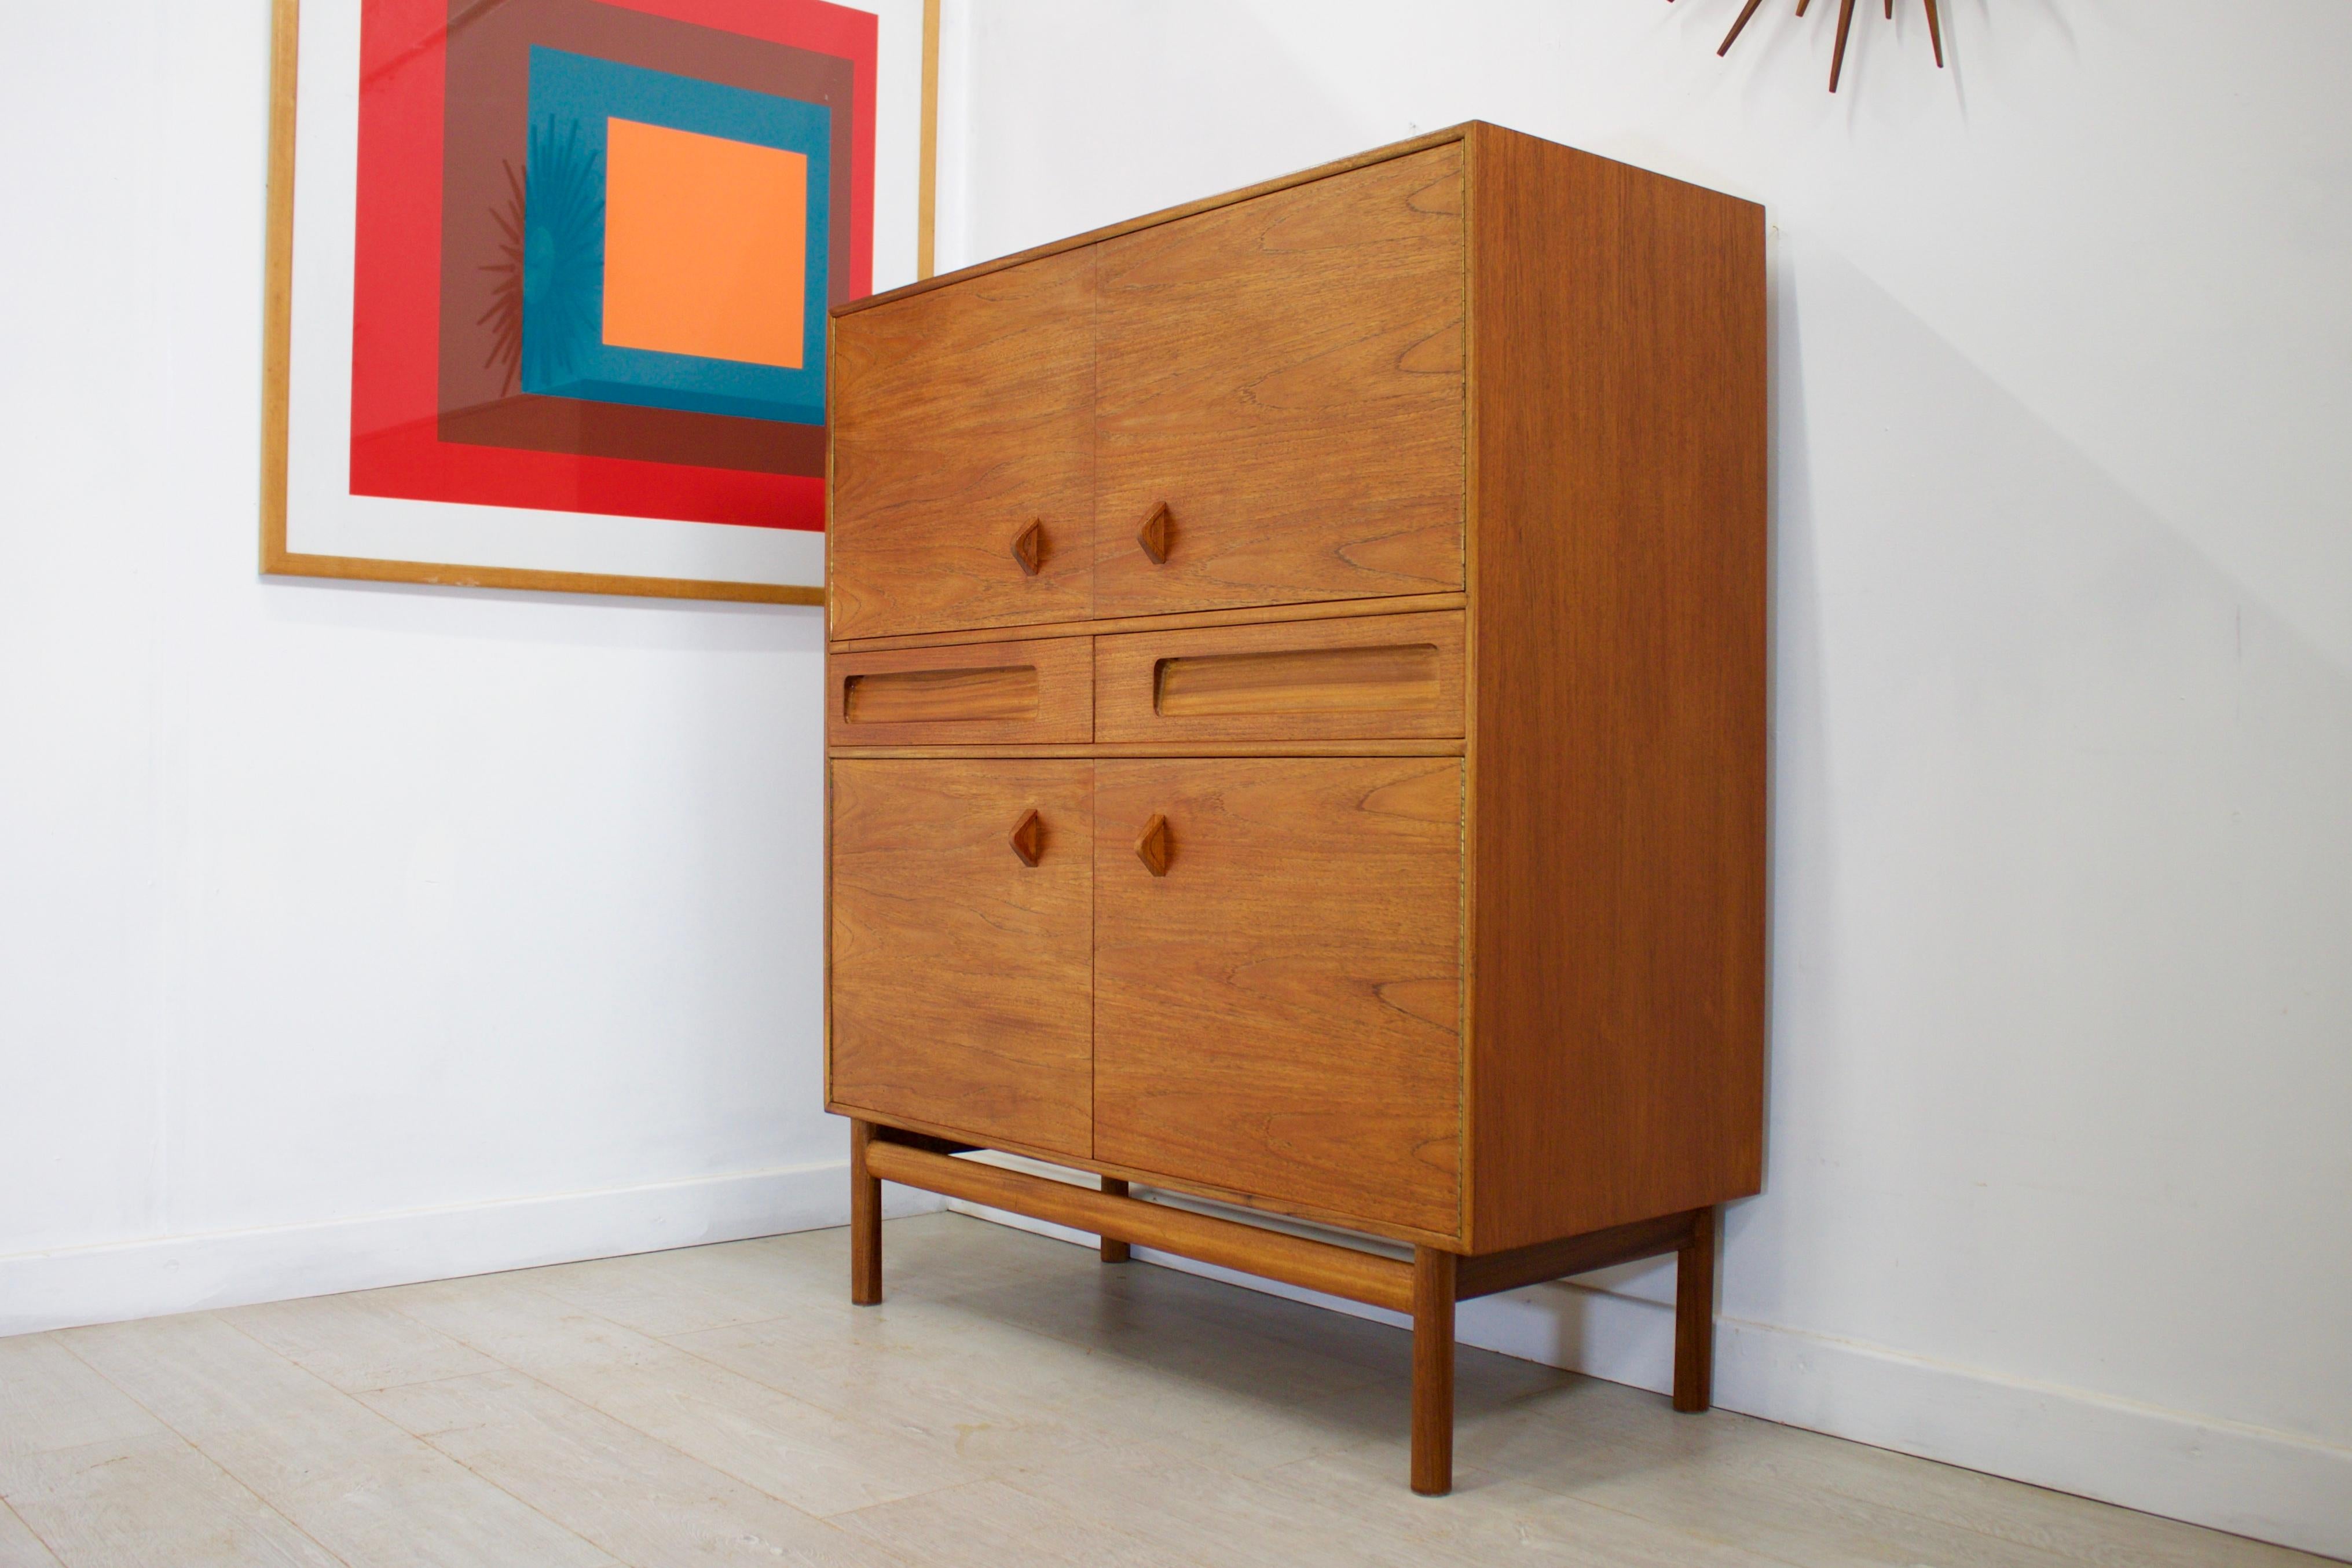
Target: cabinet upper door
(962,906)
(962,454)
(1277,1004)
(1284,376)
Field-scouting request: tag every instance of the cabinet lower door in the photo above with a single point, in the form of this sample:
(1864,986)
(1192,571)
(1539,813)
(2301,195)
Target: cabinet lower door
(1277,980)
(962,906)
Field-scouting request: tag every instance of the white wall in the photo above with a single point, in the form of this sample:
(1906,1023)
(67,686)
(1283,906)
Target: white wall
(347,934)
(351,935)
(2061,1029)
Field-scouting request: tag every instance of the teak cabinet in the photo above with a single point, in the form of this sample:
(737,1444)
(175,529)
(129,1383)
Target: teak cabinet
(1296,730)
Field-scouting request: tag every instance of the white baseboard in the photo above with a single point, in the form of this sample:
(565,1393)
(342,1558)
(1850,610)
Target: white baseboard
(230,1268)
(2274,1486)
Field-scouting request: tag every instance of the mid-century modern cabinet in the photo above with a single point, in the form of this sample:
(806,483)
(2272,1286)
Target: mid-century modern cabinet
(1296,722)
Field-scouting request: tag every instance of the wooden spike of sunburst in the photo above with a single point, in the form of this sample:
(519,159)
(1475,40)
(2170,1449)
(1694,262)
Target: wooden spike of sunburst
(1732,37)
(1844,28)
(1845,25)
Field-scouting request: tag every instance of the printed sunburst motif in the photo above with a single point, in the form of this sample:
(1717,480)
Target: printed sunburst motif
(504,318)
(1844,26)
(551,268)
(563,250)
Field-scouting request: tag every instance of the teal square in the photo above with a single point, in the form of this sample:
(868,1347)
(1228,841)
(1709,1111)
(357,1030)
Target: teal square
(573,97)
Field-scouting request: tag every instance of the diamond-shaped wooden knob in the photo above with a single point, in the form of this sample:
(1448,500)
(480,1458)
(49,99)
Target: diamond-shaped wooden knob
(1028,837)
(1029,547)
(1155,532)
(1151,845)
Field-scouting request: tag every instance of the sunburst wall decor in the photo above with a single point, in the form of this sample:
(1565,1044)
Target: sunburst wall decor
(1844,27)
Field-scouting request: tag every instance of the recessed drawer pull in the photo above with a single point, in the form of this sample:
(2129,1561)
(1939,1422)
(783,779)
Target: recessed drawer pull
(1038,691)
(1155,534)
(1372,679)
(1028,837)
(1151,845)
(956,694)
(1029,547)
(1365,677)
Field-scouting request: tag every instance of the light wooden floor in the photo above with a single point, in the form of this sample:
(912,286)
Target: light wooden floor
(1014,1402)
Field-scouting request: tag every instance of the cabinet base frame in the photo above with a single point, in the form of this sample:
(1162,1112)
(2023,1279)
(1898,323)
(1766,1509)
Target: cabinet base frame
(1425,1288)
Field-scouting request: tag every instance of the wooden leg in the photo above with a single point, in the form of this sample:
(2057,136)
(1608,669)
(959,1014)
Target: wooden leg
(1114,1251)
(1695,1316)
(1433,1372)
(864,1221)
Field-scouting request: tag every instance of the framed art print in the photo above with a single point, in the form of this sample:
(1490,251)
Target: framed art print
(550,283)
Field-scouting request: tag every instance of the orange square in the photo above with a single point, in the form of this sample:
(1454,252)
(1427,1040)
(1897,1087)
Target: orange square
(706,244)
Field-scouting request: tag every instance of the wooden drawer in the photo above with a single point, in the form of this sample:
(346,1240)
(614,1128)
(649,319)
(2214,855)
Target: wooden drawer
(959,970)
(1279,1011)
(1372,678)
(1284,376)
(962,418)
(997,693)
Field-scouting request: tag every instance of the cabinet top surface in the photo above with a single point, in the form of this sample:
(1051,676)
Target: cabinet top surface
(1167,214)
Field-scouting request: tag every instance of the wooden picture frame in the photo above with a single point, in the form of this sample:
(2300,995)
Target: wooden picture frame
(306,514)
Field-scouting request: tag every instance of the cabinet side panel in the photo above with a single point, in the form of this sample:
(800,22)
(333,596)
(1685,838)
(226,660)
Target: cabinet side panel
(1619,693)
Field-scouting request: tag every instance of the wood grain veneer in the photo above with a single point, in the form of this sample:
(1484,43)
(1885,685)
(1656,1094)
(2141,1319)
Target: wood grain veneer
(904,1126)
(1619,748)
(1006,693)
(990,691)
(1422,608)
(1281,1010)
(959,418)
(1283,377)
(865,1220)
(1449,136)
(1323,609)
(1372,748)
(1108,1248)
(1358,1276)
(961,983)
(1295,682)
(1694,1315)
(1432,1371)
(1487,1273)
(1369,679)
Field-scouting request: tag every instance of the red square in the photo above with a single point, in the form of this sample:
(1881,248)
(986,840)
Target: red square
(398,445)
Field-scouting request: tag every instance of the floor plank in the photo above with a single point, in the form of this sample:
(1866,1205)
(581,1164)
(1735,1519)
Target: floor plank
(19,1547)
(699,1287)
(1012,1401)
(149,1502)
(819,1461)
(2072,1528)
(933,1256)
(1157,1329)
(352,1480)
(988,1524)
(356,1343)
(640,1499)
(1225,1520)
(50,1399)
(1498,1520)
(979,1400)
(1623,1453)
